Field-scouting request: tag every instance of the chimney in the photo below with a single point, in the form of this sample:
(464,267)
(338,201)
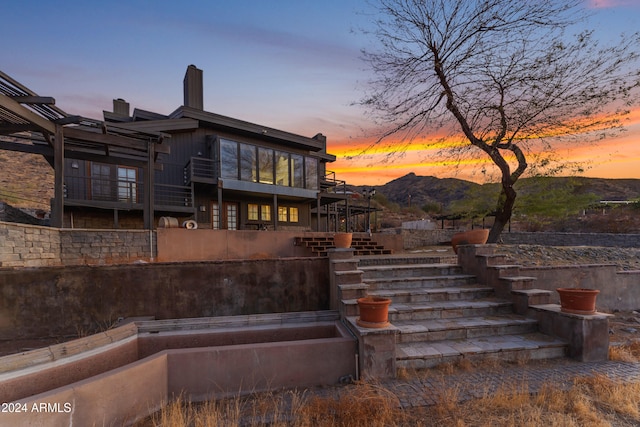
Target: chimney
(193,96)
(121,107)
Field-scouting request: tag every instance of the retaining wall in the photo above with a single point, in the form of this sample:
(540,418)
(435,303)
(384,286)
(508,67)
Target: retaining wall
(416,238)
(573,239)
(65,301)
(37,246)
(618,290)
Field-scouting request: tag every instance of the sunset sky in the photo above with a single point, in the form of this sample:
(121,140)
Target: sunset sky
(289,64)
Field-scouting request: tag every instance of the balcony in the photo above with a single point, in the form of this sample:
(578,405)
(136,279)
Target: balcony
(107,193)
(199,169)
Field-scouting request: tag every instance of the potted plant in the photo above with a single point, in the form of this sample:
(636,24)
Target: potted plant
(478,236)
(374,312)
(578,300)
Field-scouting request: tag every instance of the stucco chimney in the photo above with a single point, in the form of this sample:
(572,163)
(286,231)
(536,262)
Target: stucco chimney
(193,89)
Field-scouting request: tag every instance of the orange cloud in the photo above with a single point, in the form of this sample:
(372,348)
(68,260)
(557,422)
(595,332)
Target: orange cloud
(617,157)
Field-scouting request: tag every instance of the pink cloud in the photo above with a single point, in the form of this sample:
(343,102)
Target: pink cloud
(606,4)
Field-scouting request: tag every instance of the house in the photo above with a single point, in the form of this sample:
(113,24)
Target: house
(222,172)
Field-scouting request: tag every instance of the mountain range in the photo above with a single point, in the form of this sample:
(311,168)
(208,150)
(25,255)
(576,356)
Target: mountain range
(419,191)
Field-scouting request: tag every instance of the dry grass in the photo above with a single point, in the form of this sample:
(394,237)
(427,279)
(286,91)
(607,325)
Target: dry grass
(625,353)
(593,401)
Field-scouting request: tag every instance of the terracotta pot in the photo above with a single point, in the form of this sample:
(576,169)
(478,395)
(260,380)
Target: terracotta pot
(472,237)
(578,300)
(342,240)
(374,312)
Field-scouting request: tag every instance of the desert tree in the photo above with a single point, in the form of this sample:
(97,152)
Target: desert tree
(511,79)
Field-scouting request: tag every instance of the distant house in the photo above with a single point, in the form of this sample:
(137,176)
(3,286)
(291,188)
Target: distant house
(223,172)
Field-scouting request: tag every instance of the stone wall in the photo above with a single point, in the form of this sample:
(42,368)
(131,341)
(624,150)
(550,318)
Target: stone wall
(416,238)
(36,246)
(65,301)
(104,247)
(28,245)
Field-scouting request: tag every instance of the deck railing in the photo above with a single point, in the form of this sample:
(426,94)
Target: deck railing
(199,169)
(125,193)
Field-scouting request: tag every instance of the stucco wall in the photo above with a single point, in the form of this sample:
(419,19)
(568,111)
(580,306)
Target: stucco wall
(618,290)
(57,301)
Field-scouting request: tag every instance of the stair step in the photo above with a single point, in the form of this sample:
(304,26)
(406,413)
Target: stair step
(434,295)
(411,270)
(421,355)
(463,328)
(448,309)
(406,259)
(422,282)
(519,282)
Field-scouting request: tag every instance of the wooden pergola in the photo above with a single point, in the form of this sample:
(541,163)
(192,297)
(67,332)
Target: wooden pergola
(30,123)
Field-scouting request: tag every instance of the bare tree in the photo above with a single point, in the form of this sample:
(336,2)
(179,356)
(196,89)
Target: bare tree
(504,75)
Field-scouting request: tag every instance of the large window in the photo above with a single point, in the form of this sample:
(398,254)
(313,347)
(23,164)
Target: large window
(297,171)
(228,159)
(265,165)
(311,172)
(282,168)
(251,163)
(248,169)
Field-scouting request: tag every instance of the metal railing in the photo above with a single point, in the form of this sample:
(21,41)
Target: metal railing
(200,170)
(333,184)
(127,193)
(173,195)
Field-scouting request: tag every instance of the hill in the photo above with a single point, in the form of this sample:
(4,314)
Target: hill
(26,181)
(426,190)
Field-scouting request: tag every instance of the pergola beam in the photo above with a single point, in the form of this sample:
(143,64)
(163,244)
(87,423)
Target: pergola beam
(26,114)
(107,139)
(39,100)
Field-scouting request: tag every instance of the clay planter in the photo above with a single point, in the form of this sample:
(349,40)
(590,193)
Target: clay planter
(374,312)
(342,240)
(578,300)
(472,237)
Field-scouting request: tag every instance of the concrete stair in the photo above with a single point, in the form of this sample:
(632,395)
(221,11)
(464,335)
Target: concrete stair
(443,315)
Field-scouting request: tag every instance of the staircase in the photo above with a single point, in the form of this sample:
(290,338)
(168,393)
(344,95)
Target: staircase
(444,316)
(363,245)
